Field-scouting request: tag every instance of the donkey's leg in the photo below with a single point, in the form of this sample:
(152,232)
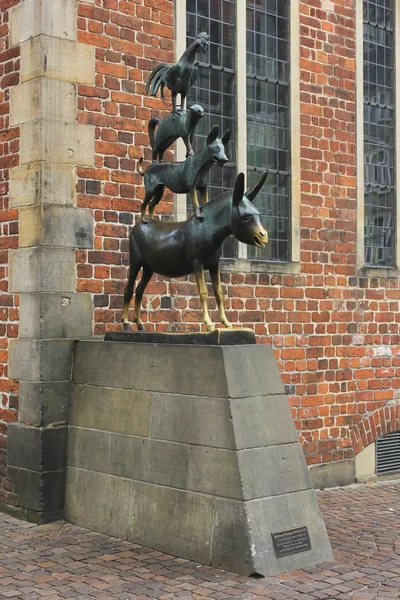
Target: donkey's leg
(147,275)
(201,286)
(134,269)
(203,195)
(219,296)
(147,197)
(158,192)
(195,202)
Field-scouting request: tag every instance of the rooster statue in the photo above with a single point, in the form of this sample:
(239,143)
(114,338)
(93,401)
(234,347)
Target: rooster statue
(179,77)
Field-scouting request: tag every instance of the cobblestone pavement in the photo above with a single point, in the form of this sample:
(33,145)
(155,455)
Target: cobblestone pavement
(63,561)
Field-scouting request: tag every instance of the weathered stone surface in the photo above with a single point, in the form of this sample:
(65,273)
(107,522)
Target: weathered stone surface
(42,182)
(40,360)
(42,270)
(130,457)
(44,403)
(231,539)
(62,226)
(36,448)
(47,56)
(110,409)
(278,513)
(262,421)
(57,141)
(273,470)
(251,371)
(52,17)
(172,521)
(89,449)
(42,491)
(170,369)
(215,471)
(338,473)
(65,315)
(98,502)
(43,98)
(161,463)
(192,420)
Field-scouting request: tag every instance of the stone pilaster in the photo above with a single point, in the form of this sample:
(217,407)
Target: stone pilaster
(52,228)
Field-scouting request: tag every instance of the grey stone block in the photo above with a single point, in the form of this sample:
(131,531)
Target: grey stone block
(172,521)
(33,17)
(44,403)
(339,473)
(231,539)
(278,513)
(130,457)
(262,421)
(46,316)
(273,471)
(192,420)
(163,368)
(43,98)
(89,449)
(251,371)
(42,270)
(40,360)
(111,409)
(215,471)
(98,502)
(42,183)
(56,226)
(161,463)
(36,448)
(42,492)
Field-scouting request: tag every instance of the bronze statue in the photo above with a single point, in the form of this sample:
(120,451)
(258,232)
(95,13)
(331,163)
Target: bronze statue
(178,249)
(184,177)
(179,77)
(163,133)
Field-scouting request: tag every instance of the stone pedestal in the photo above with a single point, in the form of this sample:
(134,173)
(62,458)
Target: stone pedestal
(191,450)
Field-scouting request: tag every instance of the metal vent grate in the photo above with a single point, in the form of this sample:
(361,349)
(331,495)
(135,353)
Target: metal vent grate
(388,454)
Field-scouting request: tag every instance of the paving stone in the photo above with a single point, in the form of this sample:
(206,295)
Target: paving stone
(61,560)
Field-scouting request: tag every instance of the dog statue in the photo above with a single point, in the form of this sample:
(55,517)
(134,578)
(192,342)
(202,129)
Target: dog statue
(184,177)
(176,125)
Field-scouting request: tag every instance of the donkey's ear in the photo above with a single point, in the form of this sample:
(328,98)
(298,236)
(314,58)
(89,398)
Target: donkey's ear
(226,137)
(251,194)
(238,190)
(212,136)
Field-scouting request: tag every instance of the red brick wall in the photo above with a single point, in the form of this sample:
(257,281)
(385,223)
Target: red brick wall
(335,333)
(9,148)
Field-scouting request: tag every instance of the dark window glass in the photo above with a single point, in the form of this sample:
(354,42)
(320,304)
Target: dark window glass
(215,88)
(268,137)
(379,122)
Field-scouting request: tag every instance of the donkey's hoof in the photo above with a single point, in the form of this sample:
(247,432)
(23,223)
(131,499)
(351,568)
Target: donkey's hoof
(211,327)
(126,327)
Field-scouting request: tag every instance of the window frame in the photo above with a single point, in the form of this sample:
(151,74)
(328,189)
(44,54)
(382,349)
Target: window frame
(375,270)
(242,263)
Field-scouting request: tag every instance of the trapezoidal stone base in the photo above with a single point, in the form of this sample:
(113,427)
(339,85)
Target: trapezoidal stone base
(191,450)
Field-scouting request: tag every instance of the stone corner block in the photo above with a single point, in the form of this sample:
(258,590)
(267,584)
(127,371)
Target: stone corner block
(44,403)
(42,270)
(42,183)
(70,143)
(46,56)
(40,360)
(62,315)
(36,448)
(42,98)
(61,226)
(31,18)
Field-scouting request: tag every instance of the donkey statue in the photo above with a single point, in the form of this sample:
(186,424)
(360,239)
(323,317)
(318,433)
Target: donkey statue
(178,249)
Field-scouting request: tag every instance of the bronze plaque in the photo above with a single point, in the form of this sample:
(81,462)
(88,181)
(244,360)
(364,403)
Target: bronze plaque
(291,541)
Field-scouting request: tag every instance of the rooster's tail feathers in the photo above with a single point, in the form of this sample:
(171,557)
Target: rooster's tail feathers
(159,70)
